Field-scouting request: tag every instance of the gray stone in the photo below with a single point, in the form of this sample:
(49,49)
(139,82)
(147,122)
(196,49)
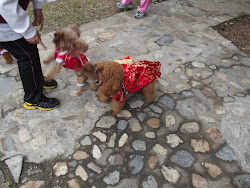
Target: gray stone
(247,158)
(122,125)
(139,145)
(227,154)
(170,174)
(141,116)
(236,85)
(86,141)
(165,40)
(106,122)
(156,21)
(136,163)
(168,102)
(186,110)
(115,160)
(113,178)
(151,35)
(156,108)
(6,84)
(239,94)
(189,128)
(202,105)
(186,94)
(8,143)
(228,99)
(96,152)
(150,182)
(242,181)
(63,133)
(15,165)
(72,163)
(183,158)
(220,86)
(204,74)
(134,124)
(223,69)
(140,30)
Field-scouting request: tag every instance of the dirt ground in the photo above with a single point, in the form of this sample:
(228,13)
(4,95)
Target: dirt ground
(237,30)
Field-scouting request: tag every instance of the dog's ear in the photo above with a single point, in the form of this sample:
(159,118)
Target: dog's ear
(80,46)
(111,74)
(75,28)
(99,68)
(58,36)
(89,67)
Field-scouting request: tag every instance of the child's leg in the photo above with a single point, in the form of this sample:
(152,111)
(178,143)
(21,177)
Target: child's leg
(144,5)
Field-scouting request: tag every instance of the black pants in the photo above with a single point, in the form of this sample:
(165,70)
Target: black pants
(29,65)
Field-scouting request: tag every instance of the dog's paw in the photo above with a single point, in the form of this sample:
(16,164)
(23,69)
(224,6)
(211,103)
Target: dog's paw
(74,93)
(114,113)
(94,87)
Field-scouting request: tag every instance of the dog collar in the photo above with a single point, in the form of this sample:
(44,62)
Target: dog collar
(124,92)
(99,82)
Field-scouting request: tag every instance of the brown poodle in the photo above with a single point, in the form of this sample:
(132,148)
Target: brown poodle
(6,55)
(90,72)
(119,79)
(69,54)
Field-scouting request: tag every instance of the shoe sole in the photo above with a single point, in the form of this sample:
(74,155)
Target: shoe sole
(125,8)
(49,87)
(29,107)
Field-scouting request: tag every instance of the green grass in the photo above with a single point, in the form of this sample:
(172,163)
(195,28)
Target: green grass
(63,12)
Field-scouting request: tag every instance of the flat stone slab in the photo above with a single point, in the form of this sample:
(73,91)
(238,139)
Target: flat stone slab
(6,84)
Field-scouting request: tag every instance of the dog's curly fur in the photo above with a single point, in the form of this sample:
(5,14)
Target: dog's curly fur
(68,39)
(7,56)
(111,74)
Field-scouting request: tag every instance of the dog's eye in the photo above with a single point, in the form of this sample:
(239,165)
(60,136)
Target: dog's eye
(98,70)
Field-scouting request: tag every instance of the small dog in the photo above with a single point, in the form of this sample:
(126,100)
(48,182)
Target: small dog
(6,55)
(117,80)
(69,54)
(89,70)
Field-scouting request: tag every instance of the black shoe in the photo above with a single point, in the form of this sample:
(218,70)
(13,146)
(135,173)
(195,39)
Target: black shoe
(50,85)
(44,104)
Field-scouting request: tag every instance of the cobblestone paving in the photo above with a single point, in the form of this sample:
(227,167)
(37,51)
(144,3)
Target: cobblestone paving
(194,134)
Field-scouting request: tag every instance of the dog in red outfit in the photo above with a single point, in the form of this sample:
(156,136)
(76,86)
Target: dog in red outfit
(69,54)
(117,80)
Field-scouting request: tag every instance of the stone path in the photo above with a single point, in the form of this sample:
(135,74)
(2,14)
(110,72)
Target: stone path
(194,134)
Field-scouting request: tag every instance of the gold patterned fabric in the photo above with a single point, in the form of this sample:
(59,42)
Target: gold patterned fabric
(138,75)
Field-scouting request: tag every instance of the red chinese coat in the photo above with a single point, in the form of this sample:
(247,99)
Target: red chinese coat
(138,75)
(69,61)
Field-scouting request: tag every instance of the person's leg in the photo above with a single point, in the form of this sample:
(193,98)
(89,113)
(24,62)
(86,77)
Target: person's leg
(144,5)
(30,70)
(28,61)
(141,10)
